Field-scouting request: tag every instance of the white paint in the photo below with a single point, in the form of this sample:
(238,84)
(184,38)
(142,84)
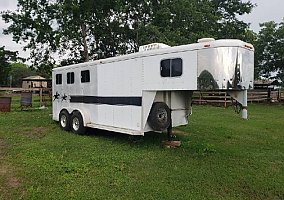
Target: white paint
(135,75)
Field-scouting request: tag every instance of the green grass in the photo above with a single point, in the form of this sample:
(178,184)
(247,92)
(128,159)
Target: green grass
(221,157)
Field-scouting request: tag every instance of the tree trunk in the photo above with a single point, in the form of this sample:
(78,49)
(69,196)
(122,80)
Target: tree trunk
(84,34)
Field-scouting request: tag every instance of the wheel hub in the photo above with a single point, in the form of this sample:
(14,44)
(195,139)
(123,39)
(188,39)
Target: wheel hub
(76,124)
(63,121)
(162,115)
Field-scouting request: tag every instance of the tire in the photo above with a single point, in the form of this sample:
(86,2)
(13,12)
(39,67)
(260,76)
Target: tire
(160,116)
(64,120)
(77,123)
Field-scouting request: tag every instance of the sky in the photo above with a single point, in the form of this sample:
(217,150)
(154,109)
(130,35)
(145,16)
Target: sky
(7,40)
(266,10)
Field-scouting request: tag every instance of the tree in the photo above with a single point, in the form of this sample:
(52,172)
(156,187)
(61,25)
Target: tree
(178,22)
(279,52)
(270,51)
(228,25)
(18,72)
(82,30)
(79,30)
(6,57)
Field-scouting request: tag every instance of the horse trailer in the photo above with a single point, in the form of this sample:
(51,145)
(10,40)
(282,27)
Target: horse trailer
(150,90)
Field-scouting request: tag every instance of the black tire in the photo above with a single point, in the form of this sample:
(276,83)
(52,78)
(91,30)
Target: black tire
(77,123)
(160,116)
(64,120)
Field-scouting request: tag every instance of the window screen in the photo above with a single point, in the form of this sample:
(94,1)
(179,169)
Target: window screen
(58,78)
(176,67)
(85,76)
(165,68)
(171,67)
(70,77)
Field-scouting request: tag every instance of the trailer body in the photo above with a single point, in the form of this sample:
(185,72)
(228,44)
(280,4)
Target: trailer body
(151,89)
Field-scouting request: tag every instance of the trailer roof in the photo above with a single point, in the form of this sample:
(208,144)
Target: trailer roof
(174,49)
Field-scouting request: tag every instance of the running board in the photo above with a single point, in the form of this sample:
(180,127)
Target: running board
(115,129)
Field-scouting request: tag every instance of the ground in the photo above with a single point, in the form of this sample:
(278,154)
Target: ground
(221,157)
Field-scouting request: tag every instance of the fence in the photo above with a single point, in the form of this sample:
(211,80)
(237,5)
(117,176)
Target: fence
(281,95)
(221,98)
(45,95)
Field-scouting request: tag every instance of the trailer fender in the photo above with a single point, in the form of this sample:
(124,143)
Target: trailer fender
(85,115)
(147,102)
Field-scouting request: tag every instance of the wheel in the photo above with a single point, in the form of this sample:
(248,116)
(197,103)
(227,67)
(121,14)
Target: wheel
(64,120)
(77,124)
(160,116)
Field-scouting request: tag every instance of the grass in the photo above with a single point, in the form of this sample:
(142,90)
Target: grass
(221,157)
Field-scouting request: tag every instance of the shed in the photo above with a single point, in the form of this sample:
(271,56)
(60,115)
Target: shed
(34,82)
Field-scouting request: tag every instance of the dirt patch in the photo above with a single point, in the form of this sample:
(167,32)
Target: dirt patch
(34,132)
(3,146)
(3,169)
(13,182)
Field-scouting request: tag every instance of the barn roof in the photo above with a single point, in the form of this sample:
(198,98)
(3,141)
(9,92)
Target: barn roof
(34,78)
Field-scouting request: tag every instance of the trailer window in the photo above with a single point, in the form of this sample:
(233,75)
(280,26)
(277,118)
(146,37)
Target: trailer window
(85,76)
(171,67)
(176,67)
(70,77)
(58,78)
(166,68)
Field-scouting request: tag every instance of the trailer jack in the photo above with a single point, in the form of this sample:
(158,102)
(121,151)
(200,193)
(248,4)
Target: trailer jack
(170,143)
(170,132)
(241,98)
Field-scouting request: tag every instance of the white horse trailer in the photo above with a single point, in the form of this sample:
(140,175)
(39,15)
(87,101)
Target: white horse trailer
(150,90)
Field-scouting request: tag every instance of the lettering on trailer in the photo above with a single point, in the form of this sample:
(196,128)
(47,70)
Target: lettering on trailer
(123,101)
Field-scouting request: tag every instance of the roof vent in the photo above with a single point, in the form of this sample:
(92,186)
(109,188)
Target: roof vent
(205,40)
(153,46)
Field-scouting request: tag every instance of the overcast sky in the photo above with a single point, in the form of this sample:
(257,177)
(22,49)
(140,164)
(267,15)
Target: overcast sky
(266,10)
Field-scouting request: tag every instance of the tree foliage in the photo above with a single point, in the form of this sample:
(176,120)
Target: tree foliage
(82,30)
(270,51)
(18,71)
(6,57)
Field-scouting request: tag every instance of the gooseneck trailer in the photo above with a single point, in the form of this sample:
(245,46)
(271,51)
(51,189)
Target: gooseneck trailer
(150,90)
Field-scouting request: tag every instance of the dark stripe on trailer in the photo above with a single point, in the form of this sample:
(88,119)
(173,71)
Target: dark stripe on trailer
(131,101)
